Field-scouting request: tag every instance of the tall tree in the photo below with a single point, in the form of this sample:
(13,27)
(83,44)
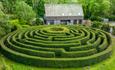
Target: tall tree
(5,27)
(24,12)
(1,6)
(95,7)
(38,6)
(41,9)
(9,5)
(112,7)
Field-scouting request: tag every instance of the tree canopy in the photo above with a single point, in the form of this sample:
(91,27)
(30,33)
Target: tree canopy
(24,12)
(95,8)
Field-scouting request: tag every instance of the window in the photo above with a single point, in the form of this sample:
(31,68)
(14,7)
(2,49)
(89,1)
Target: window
(80,21)
(51,21)
(75,21)
(65,21)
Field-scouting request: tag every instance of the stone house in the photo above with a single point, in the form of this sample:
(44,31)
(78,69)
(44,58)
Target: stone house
(63,14)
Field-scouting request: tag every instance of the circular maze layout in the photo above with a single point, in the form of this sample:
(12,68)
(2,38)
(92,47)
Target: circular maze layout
(57,46)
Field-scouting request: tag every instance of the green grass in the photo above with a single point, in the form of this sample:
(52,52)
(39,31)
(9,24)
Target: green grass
(108,64)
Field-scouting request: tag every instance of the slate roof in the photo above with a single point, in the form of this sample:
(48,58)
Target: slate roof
(55,10)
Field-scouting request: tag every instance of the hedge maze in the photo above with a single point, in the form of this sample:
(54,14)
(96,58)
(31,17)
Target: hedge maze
(57,46)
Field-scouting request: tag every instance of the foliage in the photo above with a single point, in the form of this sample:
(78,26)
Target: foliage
(113,30)
(111,17)
(24,13)
(25,26)
(96,24)
(101,25)
(39,21)
(15,24)
(1,6)
(39,8)
(5,27)
(9,5)
(106,27)
(58,1)
(96,18)
(95,7)
(112,6)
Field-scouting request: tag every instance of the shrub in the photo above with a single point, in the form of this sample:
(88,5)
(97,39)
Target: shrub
(106,27)
(2,32)
(111,18)
(34,46)
(96,18)
(113,30)
(24,13)
(96,24)
(15,24)
(5,27)
(39,21)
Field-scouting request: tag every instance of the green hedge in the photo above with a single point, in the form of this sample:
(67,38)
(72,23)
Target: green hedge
(74,54)
(81,48)
(104,45)
(56,62)
(76,46)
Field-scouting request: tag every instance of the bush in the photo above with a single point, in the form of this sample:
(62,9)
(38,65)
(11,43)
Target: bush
(15,24)
(2,32)
(24,13)
(106,27)
(96,24)
(111,18)
(5,27)
(25,26)
(96,18)
(113,30)
(39,21)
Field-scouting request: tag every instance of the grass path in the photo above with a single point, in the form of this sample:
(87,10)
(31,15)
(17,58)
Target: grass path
(108,64)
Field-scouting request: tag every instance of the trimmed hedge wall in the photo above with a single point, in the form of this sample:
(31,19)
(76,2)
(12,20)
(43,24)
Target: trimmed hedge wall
(70,46)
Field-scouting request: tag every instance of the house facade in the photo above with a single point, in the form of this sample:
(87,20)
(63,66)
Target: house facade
(63,14)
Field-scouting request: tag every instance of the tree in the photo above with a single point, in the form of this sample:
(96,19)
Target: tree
(112,7)
(24,12)
(41,9)
(38,6)
(5,27)
(95,8)
(1,6)
(9,5)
